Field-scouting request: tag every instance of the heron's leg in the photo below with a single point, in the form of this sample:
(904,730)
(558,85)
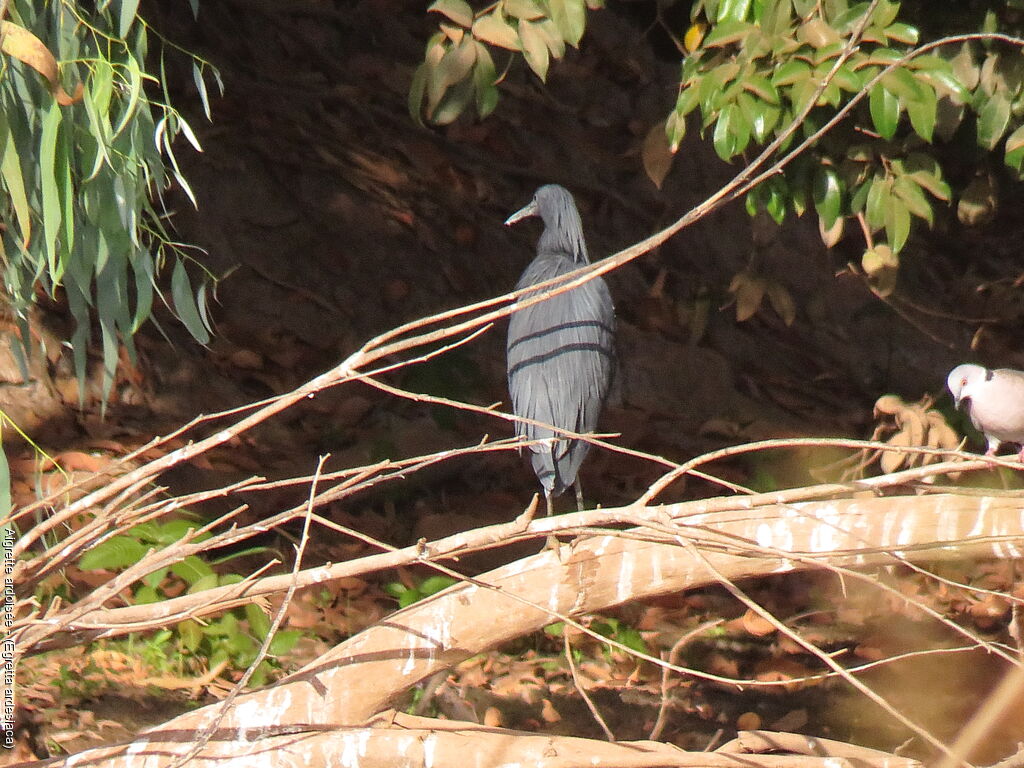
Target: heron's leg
(579,495)
(552,541)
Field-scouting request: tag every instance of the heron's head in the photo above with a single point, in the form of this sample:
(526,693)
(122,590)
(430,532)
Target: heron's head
(964,381)
(563,230)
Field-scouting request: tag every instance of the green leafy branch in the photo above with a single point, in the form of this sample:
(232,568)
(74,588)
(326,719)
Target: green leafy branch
(458,67)
(760,65)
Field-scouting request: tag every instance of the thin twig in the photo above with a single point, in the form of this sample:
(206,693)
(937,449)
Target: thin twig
(204,736)
(582,690)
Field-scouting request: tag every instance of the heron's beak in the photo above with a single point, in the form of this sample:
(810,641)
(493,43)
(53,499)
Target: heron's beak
(522,213)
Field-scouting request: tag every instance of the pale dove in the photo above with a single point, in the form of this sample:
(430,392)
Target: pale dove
(995,402)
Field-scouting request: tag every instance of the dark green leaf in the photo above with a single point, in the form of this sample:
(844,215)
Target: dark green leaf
(884,57)
(484,79)
(902,33)
(740,129)
(733,10)
(792,71)
(675,130)
(191,570)
(885,111)
(907,190)
(902,84)
(749,107)
(765,121)
(754,200)
(284,641)
(897,224)
(454,103)
(689,97)
(154,578)
(710,92)
(396,589)
(823,56)
(727,32)
(802,93)
(845,21)
(859,198)
(993,119)
(777,199)
(926,172)
(877,203)
(885,13)
(113,554)
(923,112)
(190,634)
(174,531)
(817,33)
(940,76)
(1015,149)
(259,624)
(762,88)
(831,95)
(847,79)
(723,139)
(798,184)
(777,17)
(828,195)
(434,584)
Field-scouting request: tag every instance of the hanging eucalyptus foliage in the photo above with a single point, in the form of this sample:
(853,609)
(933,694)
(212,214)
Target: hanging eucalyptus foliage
(87,149)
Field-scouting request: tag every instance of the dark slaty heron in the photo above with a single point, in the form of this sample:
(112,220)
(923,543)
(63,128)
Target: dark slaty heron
(560,350)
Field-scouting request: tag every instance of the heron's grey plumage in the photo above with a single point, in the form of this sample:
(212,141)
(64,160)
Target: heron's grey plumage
(994,400)
(560,351)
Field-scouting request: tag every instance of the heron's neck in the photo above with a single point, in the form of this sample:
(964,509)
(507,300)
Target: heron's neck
(565,240)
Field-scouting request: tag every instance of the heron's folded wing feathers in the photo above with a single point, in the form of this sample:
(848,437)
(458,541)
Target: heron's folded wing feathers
(560,357)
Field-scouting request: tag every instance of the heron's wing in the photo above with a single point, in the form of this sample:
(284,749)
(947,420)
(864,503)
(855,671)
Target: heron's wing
(560,358)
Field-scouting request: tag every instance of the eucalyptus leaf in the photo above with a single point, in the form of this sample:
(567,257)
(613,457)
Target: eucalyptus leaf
(185,303)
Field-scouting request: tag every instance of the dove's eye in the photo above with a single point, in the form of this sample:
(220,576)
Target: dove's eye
(963,382)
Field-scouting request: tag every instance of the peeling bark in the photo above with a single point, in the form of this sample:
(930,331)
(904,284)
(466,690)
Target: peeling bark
(417,742)
(365,674)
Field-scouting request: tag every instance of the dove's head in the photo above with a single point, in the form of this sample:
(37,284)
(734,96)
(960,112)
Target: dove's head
(965,380)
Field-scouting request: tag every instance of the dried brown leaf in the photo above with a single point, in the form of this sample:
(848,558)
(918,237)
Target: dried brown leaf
(656,154)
